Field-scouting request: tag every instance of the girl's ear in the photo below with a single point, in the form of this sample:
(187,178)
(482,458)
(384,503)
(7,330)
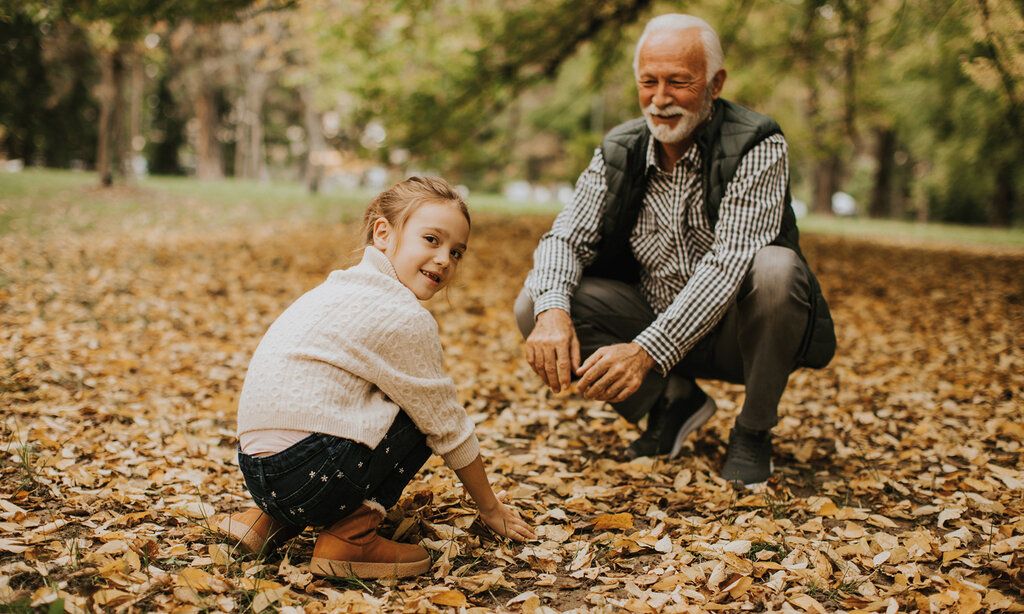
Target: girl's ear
(382,233)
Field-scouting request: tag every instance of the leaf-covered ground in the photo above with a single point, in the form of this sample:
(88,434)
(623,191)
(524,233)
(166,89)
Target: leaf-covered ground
(899,482)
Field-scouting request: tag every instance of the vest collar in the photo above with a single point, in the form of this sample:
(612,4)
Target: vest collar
(707,132)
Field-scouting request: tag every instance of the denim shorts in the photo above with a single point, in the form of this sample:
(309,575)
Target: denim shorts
(323,478)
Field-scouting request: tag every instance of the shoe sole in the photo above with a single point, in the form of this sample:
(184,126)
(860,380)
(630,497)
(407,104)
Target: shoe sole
(693,423)
(347,569)
(753,485)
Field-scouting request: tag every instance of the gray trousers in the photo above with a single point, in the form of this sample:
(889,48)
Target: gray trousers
(755,344)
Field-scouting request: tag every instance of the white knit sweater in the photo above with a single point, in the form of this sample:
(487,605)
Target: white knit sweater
(344,358)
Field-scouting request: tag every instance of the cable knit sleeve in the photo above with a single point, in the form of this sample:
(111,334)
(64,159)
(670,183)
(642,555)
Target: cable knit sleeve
(409,369)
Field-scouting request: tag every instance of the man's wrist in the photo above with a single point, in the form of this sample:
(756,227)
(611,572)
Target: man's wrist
(647,361)
(552,312)
(659,363)
(549,301)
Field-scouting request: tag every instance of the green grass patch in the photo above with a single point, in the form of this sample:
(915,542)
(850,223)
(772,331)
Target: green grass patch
(913,232)
(39,201)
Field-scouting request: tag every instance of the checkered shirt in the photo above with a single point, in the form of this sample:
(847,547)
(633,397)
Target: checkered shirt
(690,273)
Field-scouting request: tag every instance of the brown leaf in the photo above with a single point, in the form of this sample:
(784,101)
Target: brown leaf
(453,599)
(622,521)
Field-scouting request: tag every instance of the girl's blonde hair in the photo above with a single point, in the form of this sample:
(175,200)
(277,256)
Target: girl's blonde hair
(397,203)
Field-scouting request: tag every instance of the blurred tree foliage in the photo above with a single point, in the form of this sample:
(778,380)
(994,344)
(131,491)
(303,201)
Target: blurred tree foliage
(916,107)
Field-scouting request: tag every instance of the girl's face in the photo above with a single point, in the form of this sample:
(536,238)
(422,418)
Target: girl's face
(428,249)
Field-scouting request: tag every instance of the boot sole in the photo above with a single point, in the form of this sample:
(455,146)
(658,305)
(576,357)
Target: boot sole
(693,423)
(347,569)
(753,485)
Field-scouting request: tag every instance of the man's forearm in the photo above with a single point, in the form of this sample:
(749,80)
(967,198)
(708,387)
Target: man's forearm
(691,316)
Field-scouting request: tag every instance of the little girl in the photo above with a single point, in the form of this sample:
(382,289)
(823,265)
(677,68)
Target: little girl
(346,397)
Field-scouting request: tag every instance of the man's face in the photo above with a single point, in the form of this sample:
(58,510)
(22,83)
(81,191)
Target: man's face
(672,83)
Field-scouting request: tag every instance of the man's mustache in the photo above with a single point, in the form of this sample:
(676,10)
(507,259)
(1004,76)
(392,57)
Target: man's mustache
(669,111)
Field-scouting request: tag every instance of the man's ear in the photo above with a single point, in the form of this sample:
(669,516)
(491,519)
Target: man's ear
(717,83)
(382,233)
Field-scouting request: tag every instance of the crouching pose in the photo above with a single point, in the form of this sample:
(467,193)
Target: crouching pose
(679,258)
(346,397)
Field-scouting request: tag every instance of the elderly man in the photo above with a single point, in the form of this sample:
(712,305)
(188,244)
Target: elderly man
(677,259)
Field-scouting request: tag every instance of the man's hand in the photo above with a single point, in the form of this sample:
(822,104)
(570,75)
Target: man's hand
(552,349)
(614,372)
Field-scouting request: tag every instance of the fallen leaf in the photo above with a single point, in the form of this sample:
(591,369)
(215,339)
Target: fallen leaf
(453,599)
(614,521)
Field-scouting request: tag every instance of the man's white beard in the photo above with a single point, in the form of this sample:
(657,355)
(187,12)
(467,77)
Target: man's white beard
(687,123)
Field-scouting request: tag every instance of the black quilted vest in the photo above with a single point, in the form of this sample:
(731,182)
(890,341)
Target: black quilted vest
(723,141)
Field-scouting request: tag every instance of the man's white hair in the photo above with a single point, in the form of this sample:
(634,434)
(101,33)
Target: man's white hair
(677,22)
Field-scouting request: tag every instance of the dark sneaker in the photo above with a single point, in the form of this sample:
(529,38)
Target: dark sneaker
(670,422)
(749,458)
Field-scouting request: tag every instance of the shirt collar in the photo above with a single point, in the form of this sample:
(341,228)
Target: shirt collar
(377,259)
(690,159)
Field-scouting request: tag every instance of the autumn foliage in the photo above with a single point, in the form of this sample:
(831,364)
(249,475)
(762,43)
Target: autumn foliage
(899,482)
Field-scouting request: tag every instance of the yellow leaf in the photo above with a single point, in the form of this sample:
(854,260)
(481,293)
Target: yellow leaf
(807,603)
(969,602)
(453,599)
(822,506)
(258,584)
(219,554)
(952,555)
(13,546)
(265,598)
(195,509)
(199,580)
(614,521)
(668,583)
(110,597)
(739,587)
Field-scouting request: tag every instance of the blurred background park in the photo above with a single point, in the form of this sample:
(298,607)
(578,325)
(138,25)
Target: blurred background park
(174,173)
(907,110)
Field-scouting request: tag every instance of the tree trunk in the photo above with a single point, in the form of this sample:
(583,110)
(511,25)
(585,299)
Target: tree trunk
(1003,200)
(249,131)
(315,144)
(209,159)
(109,148)
(885,157)
(136,142)
(827,175)
(241,135)
(256,91)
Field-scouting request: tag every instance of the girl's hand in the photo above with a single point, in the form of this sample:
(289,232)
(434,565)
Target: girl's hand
(507,522)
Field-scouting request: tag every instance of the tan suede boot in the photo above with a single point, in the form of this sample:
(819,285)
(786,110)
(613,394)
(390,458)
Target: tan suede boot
(256,532)
(351,547)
